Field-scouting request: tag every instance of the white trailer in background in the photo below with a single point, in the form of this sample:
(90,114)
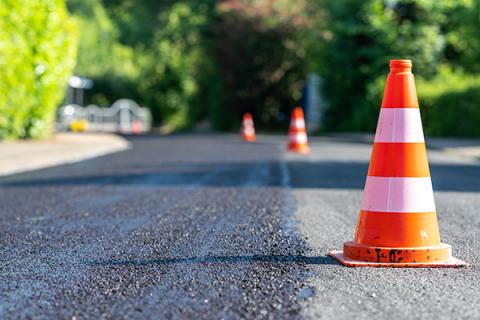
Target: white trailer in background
(124,116)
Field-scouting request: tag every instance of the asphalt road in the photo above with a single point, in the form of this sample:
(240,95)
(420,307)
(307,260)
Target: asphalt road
(210,227)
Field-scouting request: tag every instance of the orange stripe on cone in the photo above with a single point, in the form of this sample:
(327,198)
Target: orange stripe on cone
(397,224)
(413,229)
(399,160)
(297,135)
(248,129)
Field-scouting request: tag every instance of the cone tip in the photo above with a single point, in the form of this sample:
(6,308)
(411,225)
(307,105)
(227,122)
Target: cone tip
(400,65)
(297,112)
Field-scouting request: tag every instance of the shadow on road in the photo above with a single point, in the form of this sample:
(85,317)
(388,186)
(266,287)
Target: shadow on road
(302,174)
(222,259)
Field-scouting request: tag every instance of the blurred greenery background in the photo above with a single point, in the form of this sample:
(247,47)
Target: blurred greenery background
(192,61)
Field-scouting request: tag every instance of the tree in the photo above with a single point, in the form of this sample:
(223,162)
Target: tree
(173,70)
(261,60)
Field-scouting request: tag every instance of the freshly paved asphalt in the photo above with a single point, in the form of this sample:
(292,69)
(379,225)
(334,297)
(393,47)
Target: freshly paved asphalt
(211,227)
(328,185)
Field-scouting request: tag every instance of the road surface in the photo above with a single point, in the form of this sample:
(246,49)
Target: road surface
(211,227)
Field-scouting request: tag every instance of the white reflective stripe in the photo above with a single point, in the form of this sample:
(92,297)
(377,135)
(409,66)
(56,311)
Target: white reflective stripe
(399,125)
(297,124)
(299,137)
(388,194)
(249,131)
(248,122)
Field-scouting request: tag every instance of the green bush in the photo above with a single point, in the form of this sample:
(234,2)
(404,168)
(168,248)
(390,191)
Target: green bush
(37,54)
(449,104)
(358,40)
(365,114)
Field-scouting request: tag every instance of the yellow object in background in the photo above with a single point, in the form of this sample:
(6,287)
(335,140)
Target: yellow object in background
(79,125)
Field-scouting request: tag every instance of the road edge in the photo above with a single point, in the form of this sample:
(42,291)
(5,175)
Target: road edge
(63,148)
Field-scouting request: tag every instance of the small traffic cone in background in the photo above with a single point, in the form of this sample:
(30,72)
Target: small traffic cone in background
(137,127)
(248,130)
(297,135)
(397,225)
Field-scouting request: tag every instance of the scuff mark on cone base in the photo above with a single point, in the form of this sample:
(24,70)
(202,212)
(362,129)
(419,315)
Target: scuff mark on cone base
(441,252)
(451,262)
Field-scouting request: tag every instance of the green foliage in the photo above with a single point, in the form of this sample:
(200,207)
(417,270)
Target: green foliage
(193,60)
(450,104)
(98,37)
(154,53)
(101,57)
(261,62)
(37,54)
(173,71)
(463,35)
(360,37)
(174,63)
(365,114)
(137,20)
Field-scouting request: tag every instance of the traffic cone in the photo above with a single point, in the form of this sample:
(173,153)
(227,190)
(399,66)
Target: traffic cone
(397,225)
(137,127)
(297,135)
(248,130)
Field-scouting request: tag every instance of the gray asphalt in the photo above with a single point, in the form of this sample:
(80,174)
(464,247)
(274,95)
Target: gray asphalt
(211,227)
(328,185)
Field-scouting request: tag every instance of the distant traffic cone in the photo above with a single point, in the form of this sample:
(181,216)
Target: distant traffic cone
(397,225)
(248,130)
(137,127)
(297,136)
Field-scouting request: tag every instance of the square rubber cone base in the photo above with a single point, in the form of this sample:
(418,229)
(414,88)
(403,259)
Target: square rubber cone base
(451,263)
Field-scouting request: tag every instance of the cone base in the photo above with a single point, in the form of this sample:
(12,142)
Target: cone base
(450,263)
(396,254)
(303,149)
(249,139)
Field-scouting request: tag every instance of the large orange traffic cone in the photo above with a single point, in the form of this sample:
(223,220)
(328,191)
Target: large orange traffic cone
(397,225)
(248,130)
(297,135)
